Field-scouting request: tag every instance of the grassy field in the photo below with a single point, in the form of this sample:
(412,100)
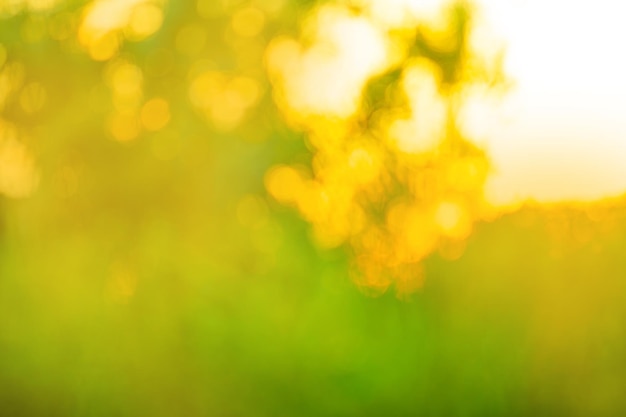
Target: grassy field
(528,321)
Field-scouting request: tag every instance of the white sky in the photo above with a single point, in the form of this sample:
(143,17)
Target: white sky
(560,134)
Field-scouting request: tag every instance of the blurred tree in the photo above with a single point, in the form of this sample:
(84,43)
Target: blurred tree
(174,96)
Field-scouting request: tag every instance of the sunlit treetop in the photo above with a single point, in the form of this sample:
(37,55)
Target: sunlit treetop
(393,177)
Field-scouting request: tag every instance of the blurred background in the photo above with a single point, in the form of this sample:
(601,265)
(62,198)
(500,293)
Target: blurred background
(311,208)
